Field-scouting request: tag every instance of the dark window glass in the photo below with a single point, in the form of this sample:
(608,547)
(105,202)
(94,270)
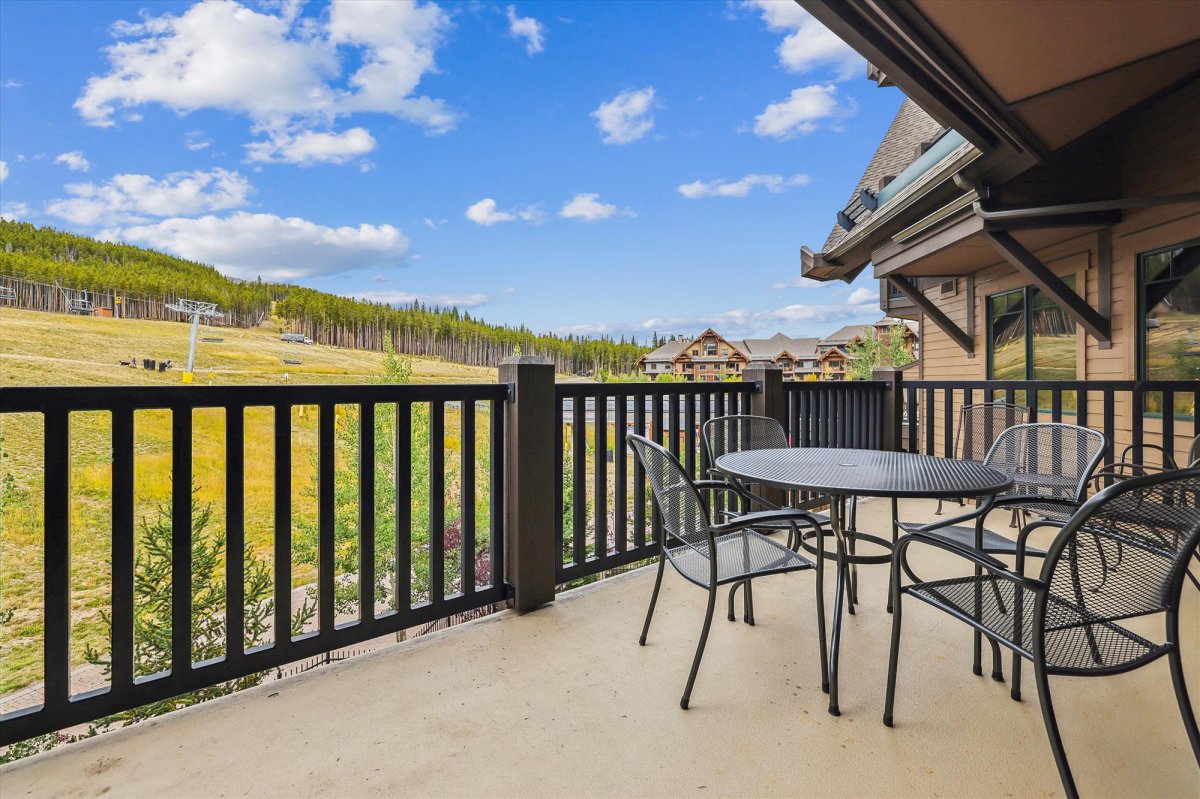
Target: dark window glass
(1053,335)
(1006,318)
(1170,282)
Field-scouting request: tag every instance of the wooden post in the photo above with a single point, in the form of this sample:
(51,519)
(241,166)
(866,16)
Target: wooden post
(767,400)
(530,428)
(893,406)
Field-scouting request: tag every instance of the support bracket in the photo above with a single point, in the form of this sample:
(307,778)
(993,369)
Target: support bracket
(960,337)
(1064,297)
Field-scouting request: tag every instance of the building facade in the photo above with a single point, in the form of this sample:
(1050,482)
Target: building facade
(711,357)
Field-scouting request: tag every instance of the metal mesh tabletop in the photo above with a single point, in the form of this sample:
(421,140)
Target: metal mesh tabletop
(864,472)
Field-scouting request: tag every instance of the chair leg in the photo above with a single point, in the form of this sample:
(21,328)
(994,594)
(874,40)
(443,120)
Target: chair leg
(1180,685)
(824,652)
(895,538)
(997,668)
(1056,743)
(708,614)
(748,603)
(894,653)
(732,594)
(1015,693)
(662,562)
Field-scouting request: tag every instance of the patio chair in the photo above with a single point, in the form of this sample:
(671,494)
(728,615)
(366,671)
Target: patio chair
(979,425)
(711,554)
(1051,464)
(1068,620)
(742,432)
(1194,453)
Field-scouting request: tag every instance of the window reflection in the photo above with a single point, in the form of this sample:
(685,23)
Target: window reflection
(1007,315)
(1053,337)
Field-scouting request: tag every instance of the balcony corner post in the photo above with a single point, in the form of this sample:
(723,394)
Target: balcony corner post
(767,400)
(893,407)
(529,419)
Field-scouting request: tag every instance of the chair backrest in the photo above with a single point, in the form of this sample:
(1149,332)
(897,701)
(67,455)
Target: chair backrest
(1046,459)
(1124,553)
(1193,457)
(683,514)
(739,433)
(980,424)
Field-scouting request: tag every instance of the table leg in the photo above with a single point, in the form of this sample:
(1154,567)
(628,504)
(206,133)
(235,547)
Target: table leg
(835,522)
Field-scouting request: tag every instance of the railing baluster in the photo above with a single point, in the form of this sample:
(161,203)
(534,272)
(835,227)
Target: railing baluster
(1056,405)
(437,502)
(283,526)
(929,417)
(235,531)
(689,441)
(496,492)
(673,424)
(1138,402)
(181,540)
(467,511)
(579,479)
(656,427)
(326,544)
(1168,423)
(947,421)
(56,499)
(639,476)
(366,512)
(1110,427)
(620,474)
(600,476)
(402,475)
(122,551)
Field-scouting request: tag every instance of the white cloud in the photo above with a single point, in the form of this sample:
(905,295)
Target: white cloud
(775,184)
(745,322)
(3,171)
(526,28)
(249,245)
(124,199)
(486,213)
(14,212)
(9,83)
(195,140)
(801,282)
(73,161)
(311,147)
(809,44)
(588,208)
(282,71)
(404,298)
(626,117)
(802,111)
(863,296)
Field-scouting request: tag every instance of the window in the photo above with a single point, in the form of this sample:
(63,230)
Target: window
(1031,338)
(695,352)
(731,365)
(710,349)
(703,366)
(1170,303)
(724,350)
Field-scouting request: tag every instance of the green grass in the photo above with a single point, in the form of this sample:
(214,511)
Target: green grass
(52,349)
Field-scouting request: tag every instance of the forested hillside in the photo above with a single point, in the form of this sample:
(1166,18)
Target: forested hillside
(143,279)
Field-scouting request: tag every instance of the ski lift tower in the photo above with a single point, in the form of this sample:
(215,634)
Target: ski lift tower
(196,310)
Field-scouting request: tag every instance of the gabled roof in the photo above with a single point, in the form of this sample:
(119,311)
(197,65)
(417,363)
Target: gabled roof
(778,344)
(845,335)
(666,352)
(901,145)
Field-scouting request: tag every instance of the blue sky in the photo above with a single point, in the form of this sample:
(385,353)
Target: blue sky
(621,167)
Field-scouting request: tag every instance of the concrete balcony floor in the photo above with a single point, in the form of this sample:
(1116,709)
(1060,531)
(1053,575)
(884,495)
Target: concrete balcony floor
(562,702)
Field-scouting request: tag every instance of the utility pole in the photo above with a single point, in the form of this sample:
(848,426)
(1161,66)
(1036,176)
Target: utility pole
(196,310)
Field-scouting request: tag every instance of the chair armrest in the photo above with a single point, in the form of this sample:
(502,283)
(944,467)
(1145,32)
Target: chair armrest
(1023,537)
(970,516)
(766,517)
(994,565)
(725,485)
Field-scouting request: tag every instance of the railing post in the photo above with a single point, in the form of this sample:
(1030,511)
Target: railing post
(893,406)
(529,504)
(767,400)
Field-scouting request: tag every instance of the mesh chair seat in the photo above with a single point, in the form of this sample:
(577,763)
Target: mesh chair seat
(1071,630)
(739,555)
(993,543)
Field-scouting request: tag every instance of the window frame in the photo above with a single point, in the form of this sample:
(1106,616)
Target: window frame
(1026,293)
(1141,347)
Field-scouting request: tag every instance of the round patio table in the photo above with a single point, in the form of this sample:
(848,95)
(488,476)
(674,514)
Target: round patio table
(843,473)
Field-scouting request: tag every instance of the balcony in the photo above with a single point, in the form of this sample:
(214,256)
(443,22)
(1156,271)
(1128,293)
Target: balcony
(559,701)
(562,702)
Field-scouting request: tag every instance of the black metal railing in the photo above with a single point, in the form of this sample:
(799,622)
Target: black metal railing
(1127,412)
(840,414)
(604,514)
(336,406)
